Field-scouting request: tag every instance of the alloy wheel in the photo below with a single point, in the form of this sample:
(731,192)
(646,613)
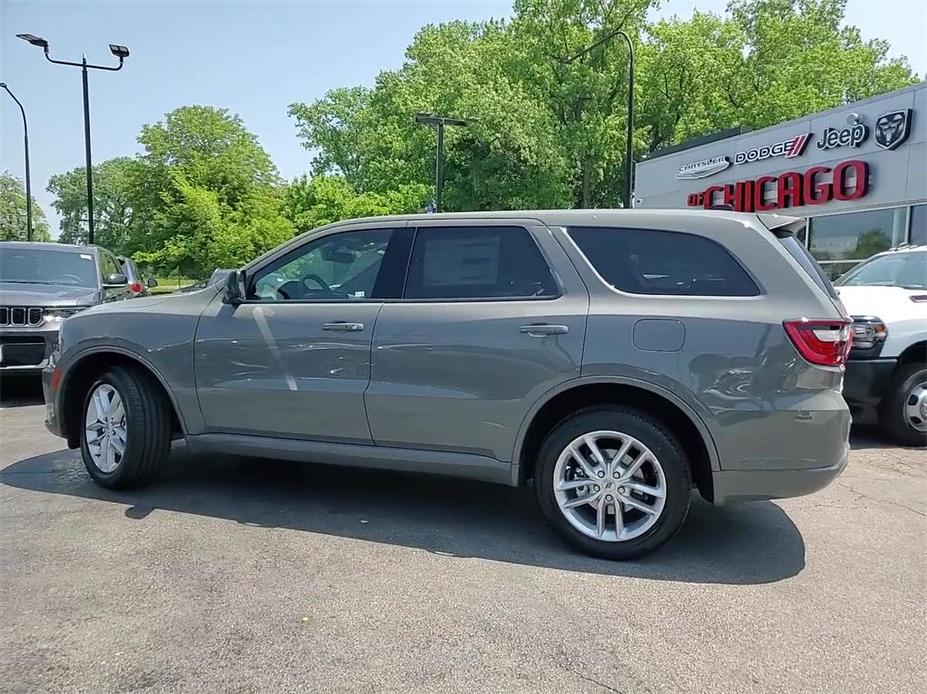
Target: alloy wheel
(609,486)
(105,428)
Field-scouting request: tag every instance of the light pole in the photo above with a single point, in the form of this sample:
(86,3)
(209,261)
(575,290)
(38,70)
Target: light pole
(28,176)
(439,122)
(120,52)
(629,147)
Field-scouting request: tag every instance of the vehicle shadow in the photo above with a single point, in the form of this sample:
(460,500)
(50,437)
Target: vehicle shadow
(744,544)
(20,390)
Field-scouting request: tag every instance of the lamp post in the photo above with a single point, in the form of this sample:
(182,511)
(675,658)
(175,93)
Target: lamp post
(120,52)
(629,147)
(439,122)
(28,175)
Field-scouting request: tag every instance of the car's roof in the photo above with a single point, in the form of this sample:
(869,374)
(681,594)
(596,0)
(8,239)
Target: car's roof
(901,249)
(49,245)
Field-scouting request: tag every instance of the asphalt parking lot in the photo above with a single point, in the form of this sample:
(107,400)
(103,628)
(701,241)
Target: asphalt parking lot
(251,576)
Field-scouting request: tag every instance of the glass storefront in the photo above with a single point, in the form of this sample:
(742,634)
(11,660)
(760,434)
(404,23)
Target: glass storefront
(918,235)
(840,241)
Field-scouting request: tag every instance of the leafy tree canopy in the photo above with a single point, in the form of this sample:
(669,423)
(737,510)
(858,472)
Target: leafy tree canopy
(13,212)
(112,212)
(547,95)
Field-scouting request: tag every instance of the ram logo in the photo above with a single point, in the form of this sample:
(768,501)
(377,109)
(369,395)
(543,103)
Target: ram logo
(891,129)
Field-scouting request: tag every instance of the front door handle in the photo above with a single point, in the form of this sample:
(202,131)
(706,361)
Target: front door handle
(342,326)
(543,329)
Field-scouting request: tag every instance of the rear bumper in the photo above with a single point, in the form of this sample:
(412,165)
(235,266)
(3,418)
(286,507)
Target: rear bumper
(26,350)
(865,384)
(750,485)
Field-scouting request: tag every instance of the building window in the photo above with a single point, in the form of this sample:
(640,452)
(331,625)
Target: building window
(839,241)
(918,225)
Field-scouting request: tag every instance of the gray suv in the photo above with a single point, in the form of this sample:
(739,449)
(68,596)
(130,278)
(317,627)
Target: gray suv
(615,358)
(41,284)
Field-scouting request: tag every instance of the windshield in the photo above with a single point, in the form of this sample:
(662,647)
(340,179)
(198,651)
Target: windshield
(48,266)
(907,270)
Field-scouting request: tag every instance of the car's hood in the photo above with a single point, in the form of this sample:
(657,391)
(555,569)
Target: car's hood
(888,303)
(18,294)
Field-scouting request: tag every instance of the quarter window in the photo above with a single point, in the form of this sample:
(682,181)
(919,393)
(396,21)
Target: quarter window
(649,261)
(340,267)
(477,263)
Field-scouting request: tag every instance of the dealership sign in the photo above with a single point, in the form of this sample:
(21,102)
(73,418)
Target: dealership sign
(792,147)
(853,135)
(703,168)
(848,180)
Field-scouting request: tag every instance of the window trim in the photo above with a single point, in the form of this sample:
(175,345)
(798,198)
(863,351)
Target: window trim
(761,290)
(287,255)
(481,224)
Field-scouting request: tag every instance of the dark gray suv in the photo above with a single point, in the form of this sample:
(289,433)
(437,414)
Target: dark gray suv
(615,358)
(41,284)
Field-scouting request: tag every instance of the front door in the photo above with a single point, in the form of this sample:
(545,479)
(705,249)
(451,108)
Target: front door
(484,329)
(294,359)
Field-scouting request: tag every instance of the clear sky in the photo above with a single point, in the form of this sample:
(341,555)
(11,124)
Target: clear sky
(252,57)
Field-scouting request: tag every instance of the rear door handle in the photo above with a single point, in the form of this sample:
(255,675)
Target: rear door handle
(342,326)
(543,329)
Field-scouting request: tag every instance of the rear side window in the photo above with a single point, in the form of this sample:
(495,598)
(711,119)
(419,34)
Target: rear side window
(477,263)
(804,258)
(649,261)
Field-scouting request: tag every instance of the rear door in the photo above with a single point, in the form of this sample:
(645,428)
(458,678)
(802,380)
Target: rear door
(492,316)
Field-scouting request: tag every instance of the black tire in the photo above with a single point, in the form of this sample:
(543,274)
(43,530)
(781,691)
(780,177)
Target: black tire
(653,434)
(148,428)
(891,411)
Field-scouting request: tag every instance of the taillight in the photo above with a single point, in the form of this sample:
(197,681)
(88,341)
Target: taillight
(822,342)
(136,287)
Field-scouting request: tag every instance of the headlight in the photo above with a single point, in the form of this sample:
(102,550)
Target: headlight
(868,332)
(56,315)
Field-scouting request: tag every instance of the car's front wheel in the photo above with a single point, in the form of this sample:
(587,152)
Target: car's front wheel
(614,482)
(904,410)
(126,428)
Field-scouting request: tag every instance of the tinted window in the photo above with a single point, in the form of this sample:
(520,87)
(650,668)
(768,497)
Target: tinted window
(646,261)
(41,266)
(477,263)
(340,267)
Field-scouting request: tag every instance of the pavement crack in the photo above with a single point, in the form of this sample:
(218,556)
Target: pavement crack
(879,500)
(593,680)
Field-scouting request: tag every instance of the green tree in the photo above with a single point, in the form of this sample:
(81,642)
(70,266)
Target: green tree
(13,212)
(310,203)
(204,194)
(549,115)
(112,212)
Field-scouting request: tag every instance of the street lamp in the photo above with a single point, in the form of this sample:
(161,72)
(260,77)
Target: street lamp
(629,147)
(28,176)
(439,122)
(120,52)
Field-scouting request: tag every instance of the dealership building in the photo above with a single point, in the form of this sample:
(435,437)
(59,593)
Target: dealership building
(858,173)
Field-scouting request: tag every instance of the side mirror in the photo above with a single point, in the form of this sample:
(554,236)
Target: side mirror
(117,279)
(151,283)
(235,288)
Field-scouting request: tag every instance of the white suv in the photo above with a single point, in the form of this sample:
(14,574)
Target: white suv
(886,379)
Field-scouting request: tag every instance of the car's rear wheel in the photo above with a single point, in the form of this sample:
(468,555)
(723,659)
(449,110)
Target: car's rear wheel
(125,431)
(904,410)
(613,482)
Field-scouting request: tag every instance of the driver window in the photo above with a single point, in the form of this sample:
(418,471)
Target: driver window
(340,267)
